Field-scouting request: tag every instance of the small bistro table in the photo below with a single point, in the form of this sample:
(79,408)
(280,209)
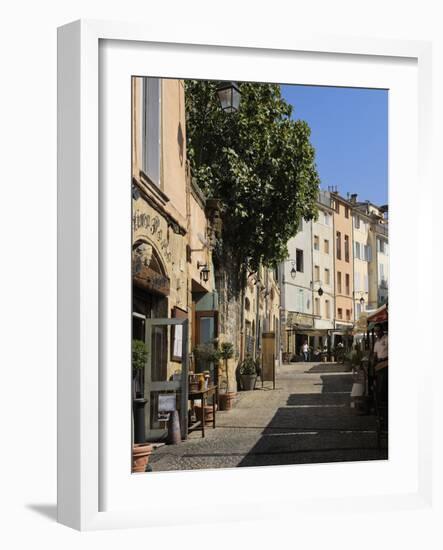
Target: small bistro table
(203,396)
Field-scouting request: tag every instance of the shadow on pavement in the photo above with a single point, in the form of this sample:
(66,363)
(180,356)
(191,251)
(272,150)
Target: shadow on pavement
(329,368)
(315,428)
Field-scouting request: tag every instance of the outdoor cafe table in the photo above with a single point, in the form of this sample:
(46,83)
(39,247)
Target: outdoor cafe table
(203,396)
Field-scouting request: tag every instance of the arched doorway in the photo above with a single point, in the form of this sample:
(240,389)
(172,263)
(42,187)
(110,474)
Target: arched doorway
(150,291)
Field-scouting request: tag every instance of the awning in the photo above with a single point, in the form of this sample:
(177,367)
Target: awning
(309,331)
(380,315)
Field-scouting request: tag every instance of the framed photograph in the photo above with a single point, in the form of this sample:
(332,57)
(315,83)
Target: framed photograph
(233,223)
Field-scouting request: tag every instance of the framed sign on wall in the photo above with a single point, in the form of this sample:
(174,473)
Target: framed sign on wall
(102,174)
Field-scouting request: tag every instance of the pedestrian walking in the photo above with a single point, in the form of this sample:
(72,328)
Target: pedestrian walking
(305,350)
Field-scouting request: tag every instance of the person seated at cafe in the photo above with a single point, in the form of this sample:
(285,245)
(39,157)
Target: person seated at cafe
(380,359)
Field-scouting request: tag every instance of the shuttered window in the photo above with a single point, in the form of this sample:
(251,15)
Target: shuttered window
(151,129)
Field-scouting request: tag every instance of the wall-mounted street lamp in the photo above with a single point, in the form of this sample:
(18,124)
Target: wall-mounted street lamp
(229,96)
(362,301)
(204,271)
(320,291)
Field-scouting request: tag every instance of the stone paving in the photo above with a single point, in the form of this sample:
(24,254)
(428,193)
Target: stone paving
(306,419)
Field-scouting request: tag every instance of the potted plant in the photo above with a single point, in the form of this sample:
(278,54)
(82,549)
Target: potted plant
(140,449)
(205,355)
(226,398)
(248,373)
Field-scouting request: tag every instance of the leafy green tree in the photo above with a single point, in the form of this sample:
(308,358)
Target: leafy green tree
(259,162)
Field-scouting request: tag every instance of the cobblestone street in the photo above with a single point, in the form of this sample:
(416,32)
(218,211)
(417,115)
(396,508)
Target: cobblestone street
(306,419)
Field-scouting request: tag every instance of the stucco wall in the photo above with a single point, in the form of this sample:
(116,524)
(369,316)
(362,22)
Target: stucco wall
(301,284)
(174,147)
(361,266)
(342,299)
(324,261)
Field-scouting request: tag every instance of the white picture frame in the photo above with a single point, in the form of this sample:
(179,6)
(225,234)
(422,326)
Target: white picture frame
(84,210)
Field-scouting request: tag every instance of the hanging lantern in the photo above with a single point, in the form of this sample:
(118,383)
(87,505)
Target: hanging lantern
(229,96)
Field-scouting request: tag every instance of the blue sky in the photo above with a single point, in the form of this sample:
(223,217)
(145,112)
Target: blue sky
(350,134)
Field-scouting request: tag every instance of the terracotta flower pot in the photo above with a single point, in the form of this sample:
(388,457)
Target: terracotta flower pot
(226,400)
(140,456)
(209,417)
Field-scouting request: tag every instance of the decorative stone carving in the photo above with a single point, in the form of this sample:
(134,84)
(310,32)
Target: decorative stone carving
(142,256)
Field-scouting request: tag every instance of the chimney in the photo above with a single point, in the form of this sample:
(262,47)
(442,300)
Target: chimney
(354,198)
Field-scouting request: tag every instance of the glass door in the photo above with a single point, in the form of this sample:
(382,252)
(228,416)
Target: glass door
(159,334)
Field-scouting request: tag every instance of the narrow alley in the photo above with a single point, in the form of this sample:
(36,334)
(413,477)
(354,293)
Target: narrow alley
(306,419)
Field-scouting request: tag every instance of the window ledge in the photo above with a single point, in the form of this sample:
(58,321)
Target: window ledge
(153,188)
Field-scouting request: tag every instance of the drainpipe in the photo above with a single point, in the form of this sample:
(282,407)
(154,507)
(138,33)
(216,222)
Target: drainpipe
(334,246)
(257,312)
(311,225)
(242,319)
